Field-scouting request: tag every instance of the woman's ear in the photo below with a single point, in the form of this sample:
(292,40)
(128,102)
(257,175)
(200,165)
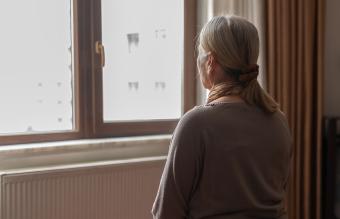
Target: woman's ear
(211,63)
(210,67)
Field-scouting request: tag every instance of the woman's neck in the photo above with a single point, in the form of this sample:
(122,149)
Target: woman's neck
(229,98)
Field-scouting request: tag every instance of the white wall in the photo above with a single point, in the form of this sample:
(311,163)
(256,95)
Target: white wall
(332,59)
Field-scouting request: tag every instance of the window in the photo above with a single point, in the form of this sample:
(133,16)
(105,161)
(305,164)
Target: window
(88,69)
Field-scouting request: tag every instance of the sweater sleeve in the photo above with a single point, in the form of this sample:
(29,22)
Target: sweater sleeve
(182,170)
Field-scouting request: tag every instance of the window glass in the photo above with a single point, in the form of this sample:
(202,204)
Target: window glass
(143,40)
(36,79)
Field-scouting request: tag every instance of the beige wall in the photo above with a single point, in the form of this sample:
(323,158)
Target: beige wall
(332,58)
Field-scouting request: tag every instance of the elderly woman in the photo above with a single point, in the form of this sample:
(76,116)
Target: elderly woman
(229,158)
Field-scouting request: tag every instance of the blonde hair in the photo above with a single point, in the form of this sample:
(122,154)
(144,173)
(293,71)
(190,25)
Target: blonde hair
(234,42)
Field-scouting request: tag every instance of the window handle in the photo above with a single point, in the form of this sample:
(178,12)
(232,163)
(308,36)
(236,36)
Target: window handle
(101,52)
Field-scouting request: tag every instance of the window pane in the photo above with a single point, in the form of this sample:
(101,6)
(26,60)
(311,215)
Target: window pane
(36,66)
(142,79)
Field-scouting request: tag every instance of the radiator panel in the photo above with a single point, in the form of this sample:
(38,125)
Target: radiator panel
(116,191)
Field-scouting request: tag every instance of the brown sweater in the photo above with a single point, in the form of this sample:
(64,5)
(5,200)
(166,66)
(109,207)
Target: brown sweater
(226,161)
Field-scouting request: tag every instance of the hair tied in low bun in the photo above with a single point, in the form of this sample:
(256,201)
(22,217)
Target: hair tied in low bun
(235,43)
(248,74)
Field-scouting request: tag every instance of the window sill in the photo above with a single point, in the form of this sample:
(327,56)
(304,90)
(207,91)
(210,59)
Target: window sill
(82,151)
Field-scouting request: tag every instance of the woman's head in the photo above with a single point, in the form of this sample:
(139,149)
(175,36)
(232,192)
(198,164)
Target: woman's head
(233,41)
(227,62)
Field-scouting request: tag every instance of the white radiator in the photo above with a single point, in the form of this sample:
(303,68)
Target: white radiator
(115,190)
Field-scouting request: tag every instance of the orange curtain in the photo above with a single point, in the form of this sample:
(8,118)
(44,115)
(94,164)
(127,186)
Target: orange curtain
(294,63)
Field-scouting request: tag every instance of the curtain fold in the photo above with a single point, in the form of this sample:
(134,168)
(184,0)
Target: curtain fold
(294,77)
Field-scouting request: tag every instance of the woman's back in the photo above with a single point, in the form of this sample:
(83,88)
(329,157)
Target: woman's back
(226,160)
